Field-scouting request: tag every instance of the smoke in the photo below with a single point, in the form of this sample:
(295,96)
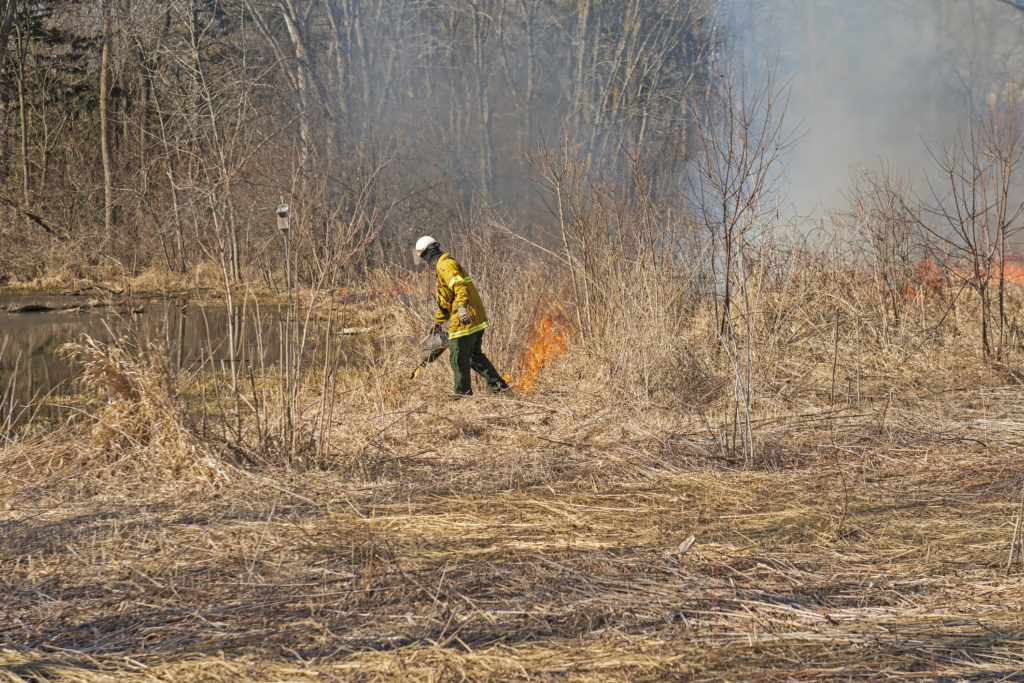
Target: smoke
(875,82)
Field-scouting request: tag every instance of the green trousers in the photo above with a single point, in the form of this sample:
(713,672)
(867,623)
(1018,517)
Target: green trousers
(466,353)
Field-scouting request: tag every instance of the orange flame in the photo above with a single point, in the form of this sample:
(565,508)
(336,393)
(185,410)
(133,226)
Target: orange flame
(548,339)
(1015,271)
(928,279)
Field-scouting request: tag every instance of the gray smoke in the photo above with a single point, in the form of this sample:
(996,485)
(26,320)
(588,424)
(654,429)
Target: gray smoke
(873,82)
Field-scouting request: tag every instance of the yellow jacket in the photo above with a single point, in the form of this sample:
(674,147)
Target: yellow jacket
(455,288)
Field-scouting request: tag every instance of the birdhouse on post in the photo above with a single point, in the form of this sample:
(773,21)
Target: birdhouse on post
(282,218)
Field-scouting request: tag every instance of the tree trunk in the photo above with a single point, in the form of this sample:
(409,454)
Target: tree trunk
(986,346)
(108,207)
(340,62)
(482,67)
(5,82)
(1002,289)
(23,120)
(293,21)
(727,270)
(582,89)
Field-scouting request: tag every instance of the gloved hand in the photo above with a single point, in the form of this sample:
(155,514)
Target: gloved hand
(464,317)
(436,329)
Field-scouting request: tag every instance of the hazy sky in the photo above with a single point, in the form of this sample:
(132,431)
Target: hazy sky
(873,80)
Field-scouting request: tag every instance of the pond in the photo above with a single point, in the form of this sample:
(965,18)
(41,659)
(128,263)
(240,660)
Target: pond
(33,373)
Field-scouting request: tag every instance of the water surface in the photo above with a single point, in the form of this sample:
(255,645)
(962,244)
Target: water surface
(33,375)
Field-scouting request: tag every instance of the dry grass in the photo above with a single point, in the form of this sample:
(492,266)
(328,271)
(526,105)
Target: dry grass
(539,538)
(67,274)
(140,431)
(601,528)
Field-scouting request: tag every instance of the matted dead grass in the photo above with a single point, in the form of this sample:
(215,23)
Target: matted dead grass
(539,537)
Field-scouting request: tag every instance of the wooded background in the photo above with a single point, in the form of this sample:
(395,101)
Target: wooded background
(141,133)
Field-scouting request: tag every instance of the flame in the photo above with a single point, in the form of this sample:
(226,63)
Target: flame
(1015,271)
(548,339)
(928,279)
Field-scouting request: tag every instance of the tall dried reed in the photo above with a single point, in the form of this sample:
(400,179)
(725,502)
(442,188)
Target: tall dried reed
(140,427)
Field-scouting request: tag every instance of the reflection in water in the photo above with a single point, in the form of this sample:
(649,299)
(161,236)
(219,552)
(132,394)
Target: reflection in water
(194,335)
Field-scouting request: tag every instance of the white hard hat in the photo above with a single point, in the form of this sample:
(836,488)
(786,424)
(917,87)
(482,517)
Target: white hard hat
(424,242)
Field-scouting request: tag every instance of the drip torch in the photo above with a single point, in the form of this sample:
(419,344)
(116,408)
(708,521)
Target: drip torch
(431,349)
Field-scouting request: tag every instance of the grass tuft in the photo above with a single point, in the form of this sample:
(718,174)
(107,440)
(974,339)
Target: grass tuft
(141,429)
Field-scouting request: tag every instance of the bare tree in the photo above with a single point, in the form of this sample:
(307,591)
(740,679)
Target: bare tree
(296,63)
(888,222)
(741,139)
(742,136)
(977,208)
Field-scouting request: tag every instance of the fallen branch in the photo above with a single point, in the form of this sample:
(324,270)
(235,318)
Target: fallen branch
(49,227)
(69,308)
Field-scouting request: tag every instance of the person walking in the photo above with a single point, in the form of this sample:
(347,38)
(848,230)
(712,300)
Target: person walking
(459,304)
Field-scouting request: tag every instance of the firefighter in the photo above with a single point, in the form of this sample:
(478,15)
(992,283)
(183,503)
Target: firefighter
(459,304)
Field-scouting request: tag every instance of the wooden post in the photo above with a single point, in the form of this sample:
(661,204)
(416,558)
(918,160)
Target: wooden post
(284,225)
